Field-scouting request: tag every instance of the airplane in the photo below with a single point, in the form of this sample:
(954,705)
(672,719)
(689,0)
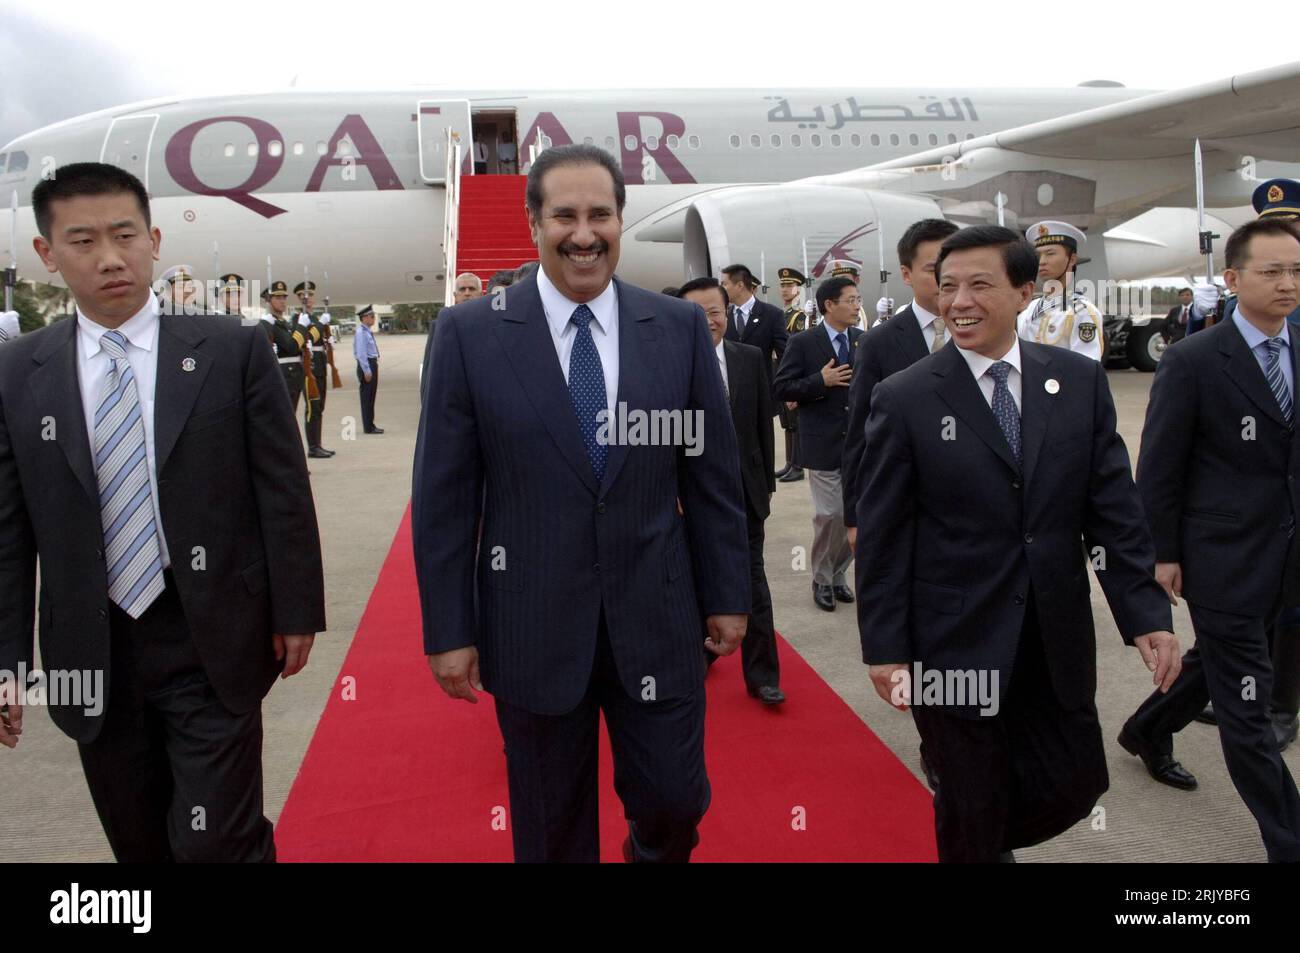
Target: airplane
(352,184)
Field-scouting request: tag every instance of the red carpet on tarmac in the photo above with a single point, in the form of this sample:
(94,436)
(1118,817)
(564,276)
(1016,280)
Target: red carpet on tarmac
(398,772)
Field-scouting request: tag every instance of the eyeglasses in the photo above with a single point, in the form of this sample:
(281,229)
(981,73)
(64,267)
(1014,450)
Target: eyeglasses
(1274,274)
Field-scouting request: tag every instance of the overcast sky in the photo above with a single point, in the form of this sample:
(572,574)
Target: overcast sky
(62,59)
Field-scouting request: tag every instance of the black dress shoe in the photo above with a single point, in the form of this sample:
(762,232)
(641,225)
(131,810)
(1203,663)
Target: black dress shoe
(783,471)
(327,450)
(628,858)
(843,593)
(1163,767)
(767,694)
(316,453)
(793,475)
(824,597)
(1206,716)
(1006,857)
(1285,727)
(375,430)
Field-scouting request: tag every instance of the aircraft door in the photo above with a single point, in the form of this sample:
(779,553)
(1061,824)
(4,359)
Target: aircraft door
(435,116)
(127,145)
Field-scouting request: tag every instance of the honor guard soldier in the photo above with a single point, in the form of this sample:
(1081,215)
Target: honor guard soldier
(317,338)
(288,341)
(796,319)
(1048,320)
(232,294)
(844,268)
(181,294)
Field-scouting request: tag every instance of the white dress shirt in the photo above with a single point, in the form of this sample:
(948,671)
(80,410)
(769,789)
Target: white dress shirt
(93,366)
(1255,340)
(926,320)
(745,310)
(722,365)
(604,330)
(979,365)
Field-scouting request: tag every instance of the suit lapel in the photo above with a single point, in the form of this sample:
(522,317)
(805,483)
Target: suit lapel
(56,390)
(1244,371)
(960,392)
(734,373)
(175,388)
(1036,404)
(911,341)
(529,348)
(637,340)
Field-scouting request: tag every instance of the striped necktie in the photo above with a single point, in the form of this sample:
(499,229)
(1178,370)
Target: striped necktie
(1276,380)
(938,342)
(131,550)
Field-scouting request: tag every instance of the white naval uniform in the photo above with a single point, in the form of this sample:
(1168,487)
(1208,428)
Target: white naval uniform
(1079,328)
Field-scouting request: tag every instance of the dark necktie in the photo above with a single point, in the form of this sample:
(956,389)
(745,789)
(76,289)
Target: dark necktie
(1004,408)
(1183,320)
(740,321)
(841,348)
(587,388)
(1276,380)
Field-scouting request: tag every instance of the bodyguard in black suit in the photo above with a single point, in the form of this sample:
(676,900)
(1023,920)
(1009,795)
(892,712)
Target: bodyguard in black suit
(151,463)
(567,559)
(750,398)
(816,372)
(986,469)
(754,322)
(1218,473)
(890,346)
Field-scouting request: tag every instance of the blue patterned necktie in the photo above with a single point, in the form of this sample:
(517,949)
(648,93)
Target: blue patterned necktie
(1276,380)
(131,550)
(587,388)
(1004,407)
(841,348)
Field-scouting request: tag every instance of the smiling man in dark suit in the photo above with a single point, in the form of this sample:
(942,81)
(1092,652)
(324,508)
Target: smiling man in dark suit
(815,373)
(149,462)
(987,467)
(562,557)
(1218,474)
(750,398)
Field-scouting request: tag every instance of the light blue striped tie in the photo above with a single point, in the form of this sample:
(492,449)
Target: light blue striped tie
(1276,381)
(131,550)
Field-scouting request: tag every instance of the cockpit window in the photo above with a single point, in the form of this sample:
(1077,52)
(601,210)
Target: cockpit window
(17,161)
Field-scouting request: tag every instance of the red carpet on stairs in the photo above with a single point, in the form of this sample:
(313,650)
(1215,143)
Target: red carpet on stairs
(494,231)
(398,772)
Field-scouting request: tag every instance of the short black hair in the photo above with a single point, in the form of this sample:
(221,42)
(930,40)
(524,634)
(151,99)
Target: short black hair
(742,274)
(926,230)
(831,289)
(501,279)
(577,154)
(701,284)
(85,178)
(1018,256)
(672,291)
(524,270)
(1235,253)
(1185,291)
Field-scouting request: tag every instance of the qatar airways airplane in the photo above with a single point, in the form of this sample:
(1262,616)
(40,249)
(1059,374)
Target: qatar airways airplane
(353,183)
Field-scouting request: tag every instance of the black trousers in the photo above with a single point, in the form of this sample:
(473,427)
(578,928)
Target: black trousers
(659,774)
(367,390)
(314,414)
(758,650)
(174,775)
(293,381)
(1231,659)
(1016,778)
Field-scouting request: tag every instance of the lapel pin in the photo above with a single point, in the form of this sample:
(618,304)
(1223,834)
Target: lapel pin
(188,365)
(1051,385)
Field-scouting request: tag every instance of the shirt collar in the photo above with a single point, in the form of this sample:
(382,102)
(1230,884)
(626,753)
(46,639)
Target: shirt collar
(140,329)
(721,353)
(833,334)
(559,309)
(979,364)
(1253,335)
(923,318)
(747,308)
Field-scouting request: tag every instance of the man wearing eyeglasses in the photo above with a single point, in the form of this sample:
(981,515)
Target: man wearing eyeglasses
(1218,477)
(815,373)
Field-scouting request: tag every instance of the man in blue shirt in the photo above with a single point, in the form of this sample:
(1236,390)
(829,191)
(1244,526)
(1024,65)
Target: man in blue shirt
(367,354)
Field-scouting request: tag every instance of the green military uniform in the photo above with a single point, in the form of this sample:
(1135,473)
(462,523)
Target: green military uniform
(796,319)
(316,334)
(288,343)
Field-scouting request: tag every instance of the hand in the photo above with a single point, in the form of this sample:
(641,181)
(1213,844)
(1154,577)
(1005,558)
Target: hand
(884,306)
(1160,652)
(369,377)
(1170,577)
(293,649)
(725,633)
(834,375)
(893,683)
(457,673)
(791,404)
(11,714)
(852,533)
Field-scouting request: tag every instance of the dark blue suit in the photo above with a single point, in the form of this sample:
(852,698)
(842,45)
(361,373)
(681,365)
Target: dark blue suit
(580,597)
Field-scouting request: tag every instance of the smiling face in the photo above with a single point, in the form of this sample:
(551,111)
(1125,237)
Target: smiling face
(977,301)
(101,248)
(715,310)
(577,230)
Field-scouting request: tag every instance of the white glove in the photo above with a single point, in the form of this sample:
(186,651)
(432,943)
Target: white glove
(304,321)
(325,318)
(810,307)
(8,325)
(884,307)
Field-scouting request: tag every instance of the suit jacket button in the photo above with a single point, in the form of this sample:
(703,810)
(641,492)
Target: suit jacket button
(99,554)
(1019,600)
(1029,537)
(600,507)
(1015,484)
(596,567)
(103,614)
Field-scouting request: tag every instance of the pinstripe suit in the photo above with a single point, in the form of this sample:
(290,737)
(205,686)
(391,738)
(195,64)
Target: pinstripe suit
(578,596)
